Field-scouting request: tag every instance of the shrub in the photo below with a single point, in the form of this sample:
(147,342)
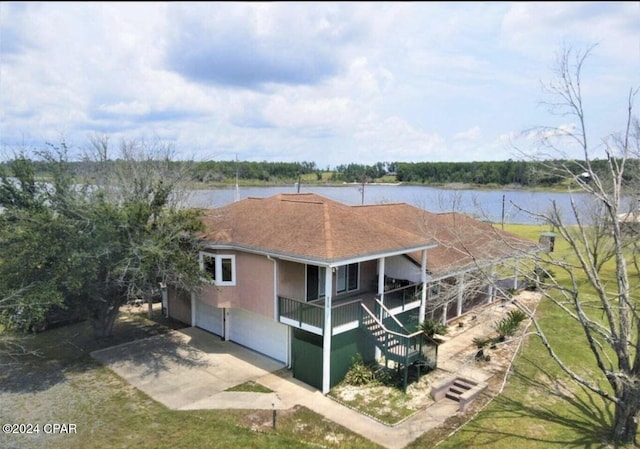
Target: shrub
(509,324)
(359,373)
(481,343)
(517,316)
(382,375)
(431,327)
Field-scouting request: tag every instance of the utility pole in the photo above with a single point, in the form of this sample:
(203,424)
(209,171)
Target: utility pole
(237,195)
(503,212)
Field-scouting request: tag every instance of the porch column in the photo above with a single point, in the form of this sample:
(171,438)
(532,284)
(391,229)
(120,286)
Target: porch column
(326,333)
(381,279)
(423,275)
(490,293)
(378,352)
(515,275)
(165,300)
(492,280)
(226,323)
(193,309)
(460,292)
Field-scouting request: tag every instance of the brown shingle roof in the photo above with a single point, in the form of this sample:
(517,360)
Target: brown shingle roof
(307,226)
(462,241)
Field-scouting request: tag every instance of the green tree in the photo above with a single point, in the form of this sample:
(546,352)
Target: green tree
(100,238)
(39,267)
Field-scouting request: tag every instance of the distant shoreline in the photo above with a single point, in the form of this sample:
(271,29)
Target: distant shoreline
(446,186)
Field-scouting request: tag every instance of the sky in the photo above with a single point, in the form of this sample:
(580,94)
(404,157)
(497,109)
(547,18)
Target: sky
(330,83)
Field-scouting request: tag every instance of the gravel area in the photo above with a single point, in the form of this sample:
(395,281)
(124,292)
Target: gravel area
(57,383)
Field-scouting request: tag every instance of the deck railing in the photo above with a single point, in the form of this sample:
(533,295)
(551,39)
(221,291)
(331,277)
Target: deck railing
(404,298)
(310,315)
(302,313)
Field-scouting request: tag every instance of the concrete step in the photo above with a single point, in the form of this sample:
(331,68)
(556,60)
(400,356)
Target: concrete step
(452,396)
(462,385)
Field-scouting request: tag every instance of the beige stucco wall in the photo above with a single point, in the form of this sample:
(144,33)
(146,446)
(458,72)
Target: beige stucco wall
(368,276)
(291,277)
(254,283)
(253,290)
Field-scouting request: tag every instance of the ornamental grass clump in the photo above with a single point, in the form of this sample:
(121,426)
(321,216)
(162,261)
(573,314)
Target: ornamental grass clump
(359,373)
(509,324)
(432,327)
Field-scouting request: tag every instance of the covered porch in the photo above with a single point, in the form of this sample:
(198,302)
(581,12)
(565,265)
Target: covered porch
(346,312)
(321,311)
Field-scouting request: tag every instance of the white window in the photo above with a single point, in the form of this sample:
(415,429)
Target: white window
(220,267)
(347,278)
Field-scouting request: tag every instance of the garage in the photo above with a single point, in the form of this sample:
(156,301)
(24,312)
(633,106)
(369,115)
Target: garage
(259,333)
(209,317)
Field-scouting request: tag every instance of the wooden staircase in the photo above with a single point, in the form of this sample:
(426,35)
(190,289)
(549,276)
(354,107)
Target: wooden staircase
(398,345)
(388,342)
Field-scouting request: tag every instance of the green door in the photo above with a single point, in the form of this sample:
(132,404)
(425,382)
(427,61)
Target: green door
(307,358)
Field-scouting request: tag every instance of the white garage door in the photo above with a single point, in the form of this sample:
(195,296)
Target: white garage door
(208,317)
(259,333)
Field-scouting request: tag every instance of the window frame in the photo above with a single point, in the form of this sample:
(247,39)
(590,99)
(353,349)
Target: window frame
(217,275)
(347,278)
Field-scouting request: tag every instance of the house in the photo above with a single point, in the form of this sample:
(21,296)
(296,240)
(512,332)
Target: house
(311,282)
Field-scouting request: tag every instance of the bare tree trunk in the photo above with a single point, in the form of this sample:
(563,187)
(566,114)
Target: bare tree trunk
(603,302)
(102,321)
(625,422)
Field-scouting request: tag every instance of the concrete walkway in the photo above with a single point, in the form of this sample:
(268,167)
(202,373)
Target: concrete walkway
(292,392)
(190,369)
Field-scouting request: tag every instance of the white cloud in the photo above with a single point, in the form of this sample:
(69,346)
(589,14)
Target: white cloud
(328,82)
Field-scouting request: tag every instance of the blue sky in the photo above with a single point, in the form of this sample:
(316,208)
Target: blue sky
(331,83)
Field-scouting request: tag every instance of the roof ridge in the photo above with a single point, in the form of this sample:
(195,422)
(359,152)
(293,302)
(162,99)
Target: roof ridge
(398,203)
(287,200)
(328,238)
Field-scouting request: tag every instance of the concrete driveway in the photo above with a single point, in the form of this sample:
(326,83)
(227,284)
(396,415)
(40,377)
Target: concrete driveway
(190,369)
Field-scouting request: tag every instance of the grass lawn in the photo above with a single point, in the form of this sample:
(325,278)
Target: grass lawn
(62,384)
(251,387)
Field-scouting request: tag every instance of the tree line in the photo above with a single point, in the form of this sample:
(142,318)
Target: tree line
(499,173)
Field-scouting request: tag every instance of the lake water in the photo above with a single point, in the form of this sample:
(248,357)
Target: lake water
(482,204)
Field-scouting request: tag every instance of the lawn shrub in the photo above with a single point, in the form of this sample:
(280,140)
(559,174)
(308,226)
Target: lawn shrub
(359,373)
(509,324)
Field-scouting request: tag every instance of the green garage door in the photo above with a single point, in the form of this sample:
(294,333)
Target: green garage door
(307,358)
